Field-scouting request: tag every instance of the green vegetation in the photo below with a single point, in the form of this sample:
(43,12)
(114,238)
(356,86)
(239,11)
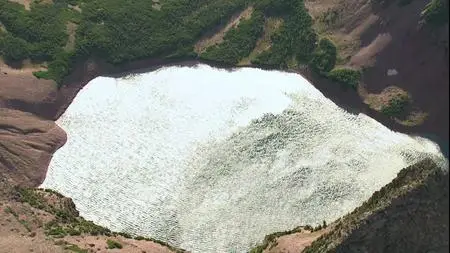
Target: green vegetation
(269,239)
(238,42)
(121,31)
(116,30)
(348,78)
(324,57)
(329,17)
(25,224)
(126,235)
(66,221)
(113,244)
(31,197)
(396,106)
(75,248)
(294,38)
(423,183)
(13,48)
(38,34)
(436,12)
(11,211)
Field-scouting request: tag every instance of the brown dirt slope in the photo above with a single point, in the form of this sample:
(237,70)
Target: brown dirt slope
(27,144)
(410,214)
(45,222)
(381,36)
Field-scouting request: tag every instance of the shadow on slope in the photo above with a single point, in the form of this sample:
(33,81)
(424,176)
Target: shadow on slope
(410,214)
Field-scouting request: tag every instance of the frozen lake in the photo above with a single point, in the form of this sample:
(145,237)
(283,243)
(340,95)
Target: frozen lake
(211,160)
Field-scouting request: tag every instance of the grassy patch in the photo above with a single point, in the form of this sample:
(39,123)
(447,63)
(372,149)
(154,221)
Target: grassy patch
(75,248)
(11,211)
(238,42)
(113,244)
(324,57)
(295,37)
(67,221)
(329,18)
(348,78)
(13,48)
(396,106)
(436,12)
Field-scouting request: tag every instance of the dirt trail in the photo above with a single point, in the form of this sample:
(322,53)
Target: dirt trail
(71,29)
(27,3)
(217,37)
(264,43)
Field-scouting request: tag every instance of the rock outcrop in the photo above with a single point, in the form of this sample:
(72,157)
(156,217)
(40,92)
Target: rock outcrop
(27,144)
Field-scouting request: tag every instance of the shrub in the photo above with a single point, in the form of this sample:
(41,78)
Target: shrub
(396,105)
(75,248)
(276,7)
(295,37)
(126,235)
(238,42)
(309,228)
(56,231)
(13,48)
(436,12)
(113,244)
(73,232)
(324,57)
(30,196)
(349,78)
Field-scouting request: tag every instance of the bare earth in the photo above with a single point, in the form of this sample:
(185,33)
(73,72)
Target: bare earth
(264,43)
(294,243)
(379,39)
(21,230)
(25,3)
(217,37)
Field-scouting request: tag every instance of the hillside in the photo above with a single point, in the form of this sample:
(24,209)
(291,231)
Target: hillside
(410,214)
(33,220)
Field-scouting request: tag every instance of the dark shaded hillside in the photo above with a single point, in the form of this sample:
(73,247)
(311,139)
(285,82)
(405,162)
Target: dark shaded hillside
(410,214)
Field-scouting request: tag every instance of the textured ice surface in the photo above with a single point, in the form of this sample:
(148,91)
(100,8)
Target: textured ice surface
(211,160)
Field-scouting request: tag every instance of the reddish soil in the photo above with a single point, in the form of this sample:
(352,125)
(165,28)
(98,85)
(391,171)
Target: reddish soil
(420,55)
(294,243)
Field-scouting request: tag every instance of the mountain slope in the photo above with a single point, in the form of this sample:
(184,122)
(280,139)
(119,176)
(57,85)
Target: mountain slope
(410,214)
